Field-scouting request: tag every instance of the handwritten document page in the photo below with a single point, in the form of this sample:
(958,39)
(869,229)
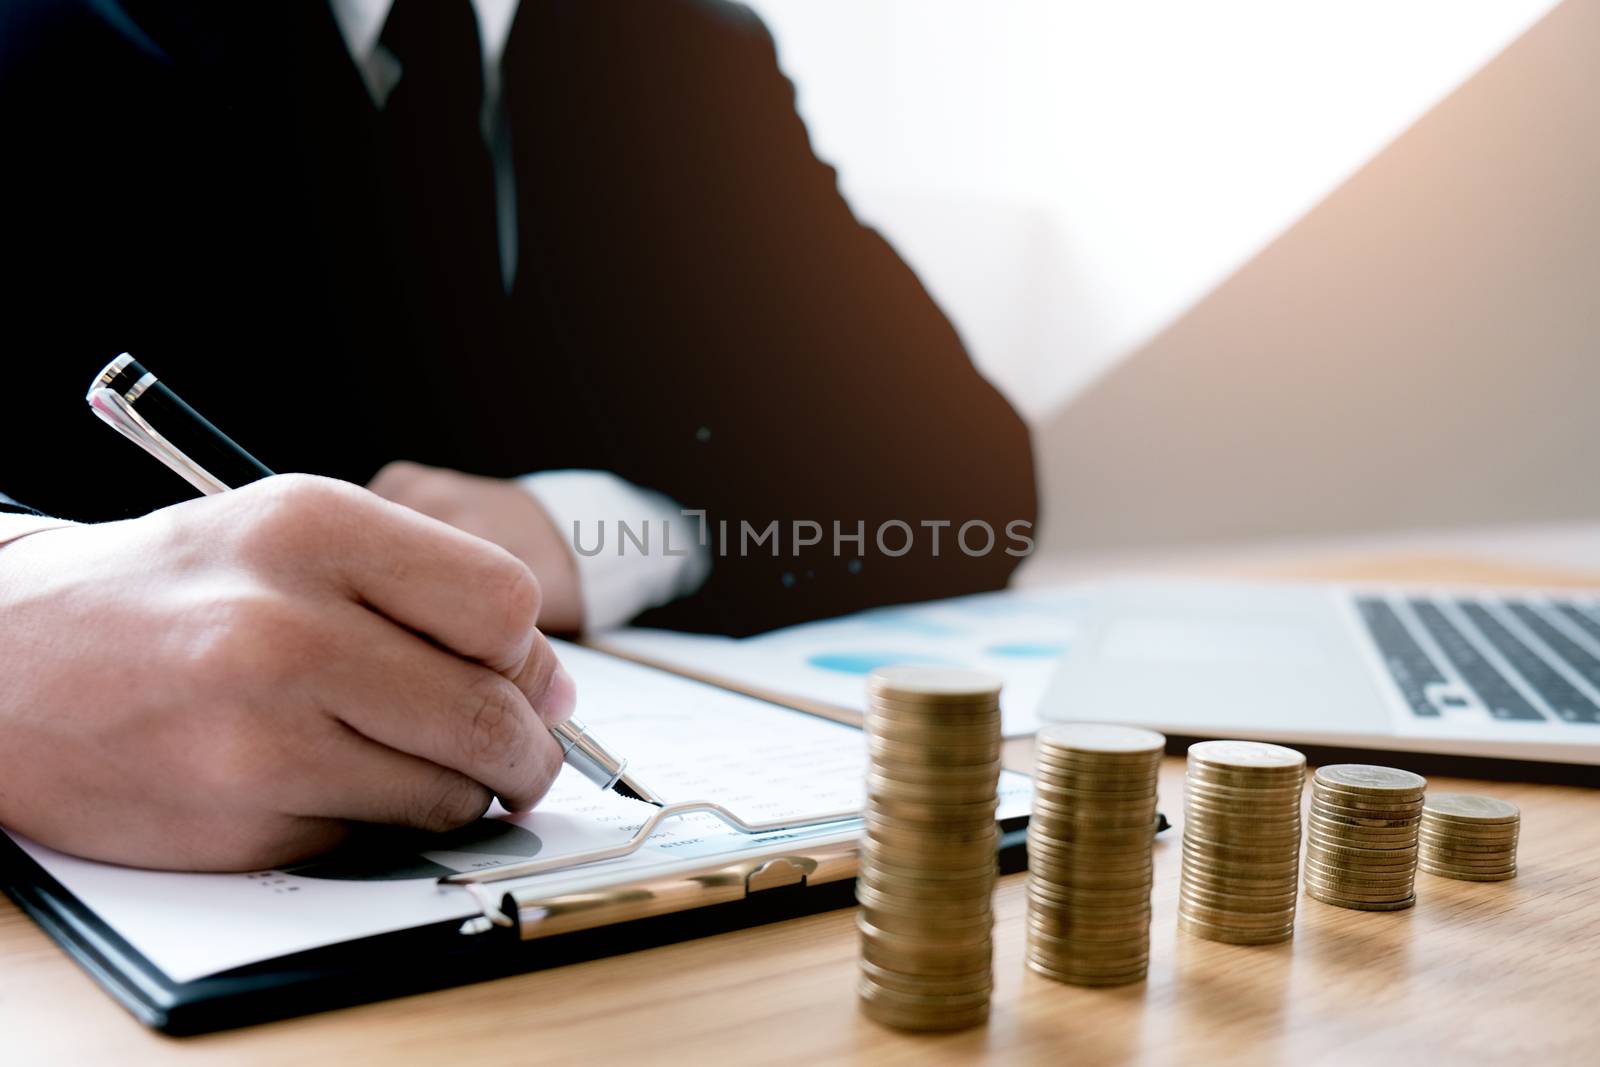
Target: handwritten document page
(685,740)
(1017,634)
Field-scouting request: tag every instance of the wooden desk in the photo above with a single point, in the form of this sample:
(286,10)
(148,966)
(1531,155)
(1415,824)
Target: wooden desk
(1491,973)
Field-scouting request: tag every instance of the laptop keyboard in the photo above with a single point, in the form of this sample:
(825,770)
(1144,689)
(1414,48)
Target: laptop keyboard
(1518,660)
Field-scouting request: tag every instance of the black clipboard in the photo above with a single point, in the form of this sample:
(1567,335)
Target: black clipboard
(417,960)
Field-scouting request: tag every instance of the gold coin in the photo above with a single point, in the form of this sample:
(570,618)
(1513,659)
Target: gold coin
(1371,821)
(954,712)
(956,781)
(907,727)
(933,683)
(976,981)
(1253,862)
(966,835)
(1361,803)
(940,814)
(1431,831)
(1130,810)
(1112,774)
(1229,888)
(1244,851)
(1265,927)
(1237,908)
(922,1001)
(1369,837)
(1102,739)
(1279,809)
(1085,915)
(1097,898)
(1359,905)
(933,960)
(1344,895)
(1365,870)
(1230,935)
(1073,978)
(1088,837)
(885,898)
(1472,809)
(904,1012)
(1445,859)
(969,946)
(1369,779)
(1080,972)
(1347,854)
(1411,809)
(1469,876)
(1065,925)
(1339,828)
(932,753)
(1084,791)
(1122,852)
(1433,848)
(966,932)
(1362,889)
(1064,961)
(890,857)
(1250,756)
(1091,880)
(1234,887)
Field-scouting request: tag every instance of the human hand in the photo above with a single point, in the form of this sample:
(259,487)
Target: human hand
(499,511)
(229,683)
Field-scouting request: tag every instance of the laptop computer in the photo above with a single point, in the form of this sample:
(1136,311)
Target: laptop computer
(1503,675)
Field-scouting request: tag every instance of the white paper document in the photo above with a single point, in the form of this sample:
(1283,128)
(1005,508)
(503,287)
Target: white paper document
(1019,635)
(684,740)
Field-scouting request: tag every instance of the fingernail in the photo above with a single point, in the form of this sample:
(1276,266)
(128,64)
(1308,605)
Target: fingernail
(560,698)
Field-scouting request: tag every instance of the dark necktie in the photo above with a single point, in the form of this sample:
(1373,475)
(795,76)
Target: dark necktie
(442,190)
(438,194)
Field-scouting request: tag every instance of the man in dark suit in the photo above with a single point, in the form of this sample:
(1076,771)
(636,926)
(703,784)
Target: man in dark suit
(585,237)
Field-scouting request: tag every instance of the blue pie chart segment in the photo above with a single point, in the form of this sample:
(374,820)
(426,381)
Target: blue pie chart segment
(1028,650)
(865,662)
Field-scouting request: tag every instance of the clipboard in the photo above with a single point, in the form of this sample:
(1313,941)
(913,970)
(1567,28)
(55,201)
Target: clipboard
(501,927)
(542,931)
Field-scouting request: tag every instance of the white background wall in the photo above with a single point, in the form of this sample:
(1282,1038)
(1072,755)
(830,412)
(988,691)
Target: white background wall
(1068,177)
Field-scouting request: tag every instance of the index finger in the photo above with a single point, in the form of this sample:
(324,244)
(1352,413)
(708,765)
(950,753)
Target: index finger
(466,594)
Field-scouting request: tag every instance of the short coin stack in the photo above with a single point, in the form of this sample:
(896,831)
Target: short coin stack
(1473,838)
(1241,842)
(928,847)
(1089,838)
(1361,836)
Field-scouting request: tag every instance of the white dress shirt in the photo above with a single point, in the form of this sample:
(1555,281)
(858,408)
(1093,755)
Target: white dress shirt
(15,526)
(615,585)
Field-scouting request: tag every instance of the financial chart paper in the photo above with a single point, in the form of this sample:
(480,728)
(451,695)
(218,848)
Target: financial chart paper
(685,740)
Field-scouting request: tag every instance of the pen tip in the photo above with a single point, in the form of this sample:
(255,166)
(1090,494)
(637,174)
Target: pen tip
(634,792)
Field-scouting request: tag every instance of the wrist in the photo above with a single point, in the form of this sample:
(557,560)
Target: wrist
(14,528)
(561,600)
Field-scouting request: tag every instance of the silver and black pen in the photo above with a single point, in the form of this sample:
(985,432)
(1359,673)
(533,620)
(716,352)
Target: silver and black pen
(136,404)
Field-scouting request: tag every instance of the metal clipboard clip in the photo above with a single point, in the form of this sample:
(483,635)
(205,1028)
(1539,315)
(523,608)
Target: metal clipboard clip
(730,879)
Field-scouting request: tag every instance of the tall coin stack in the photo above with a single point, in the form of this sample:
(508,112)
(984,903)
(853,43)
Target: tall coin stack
(1241,842)
(1473,838)
(1089,868)
(1361,836)
(928,848)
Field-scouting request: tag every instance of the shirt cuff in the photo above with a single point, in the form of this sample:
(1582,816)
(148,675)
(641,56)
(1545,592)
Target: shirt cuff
(15,526)
(635,548)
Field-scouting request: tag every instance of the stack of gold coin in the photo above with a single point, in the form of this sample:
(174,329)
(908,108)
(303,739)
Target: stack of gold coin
(1089,869)
(1361,836)
(928,848)
(1241,842)
(1473,838)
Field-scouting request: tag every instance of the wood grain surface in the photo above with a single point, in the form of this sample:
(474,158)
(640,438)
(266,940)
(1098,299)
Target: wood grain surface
(1477,973)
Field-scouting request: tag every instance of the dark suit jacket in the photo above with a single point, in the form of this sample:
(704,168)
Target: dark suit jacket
(695,307)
